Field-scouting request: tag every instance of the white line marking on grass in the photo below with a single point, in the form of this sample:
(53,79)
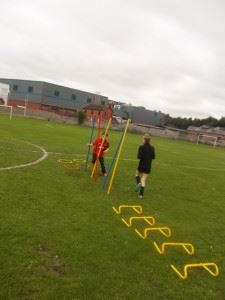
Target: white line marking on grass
(130,159)
(44,156)
(202,168)
(136,160)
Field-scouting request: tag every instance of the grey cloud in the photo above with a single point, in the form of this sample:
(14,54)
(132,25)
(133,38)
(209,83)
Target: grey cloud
(165,55)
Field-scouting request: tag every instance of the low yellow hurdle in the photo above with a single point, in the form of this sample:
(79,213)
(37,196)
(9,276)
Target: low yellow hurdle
(148,219)
(163,230)
(214,270)
(188,247)
(137,208)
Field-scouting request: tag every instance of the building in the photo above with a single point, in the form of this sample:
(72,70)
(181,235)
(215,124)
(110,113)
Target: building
(208,134)
(4,93)
(139,115)
(44,96)
(39,95)
(93,110)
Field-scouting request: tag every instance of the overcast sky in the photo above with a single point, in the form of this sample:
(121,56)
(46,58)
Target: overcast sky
(166,55)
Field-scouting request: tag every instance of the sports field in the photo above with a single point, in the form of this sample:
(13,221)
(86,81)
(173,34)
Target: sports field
(61,239)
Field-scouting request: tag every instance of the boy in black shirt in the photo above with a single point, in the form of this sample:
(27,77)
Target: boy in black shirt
(146,153)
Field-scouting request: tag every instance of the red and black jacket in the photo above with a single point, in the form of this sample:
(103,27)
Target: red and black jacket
(97,147)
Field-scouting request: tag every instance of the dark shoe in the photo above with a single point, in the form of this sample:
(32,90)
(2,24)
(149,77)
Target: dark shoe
(137,188)
(141,193)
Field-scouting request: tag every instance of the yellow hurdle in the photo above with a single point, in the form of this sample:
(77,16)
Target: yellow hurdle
(106,131)
(65,161)
(137,208)
(188,247)
(118,157)
(163,230)
(214,272)
(74,164)
(149,219)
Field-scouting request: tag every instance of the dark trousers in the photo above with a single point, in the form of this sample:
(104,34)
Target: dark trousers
(101,160)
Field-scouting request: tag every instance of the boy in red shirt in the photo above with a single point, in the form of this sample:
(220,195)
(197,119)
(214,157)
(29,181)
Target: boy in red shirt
(100,148)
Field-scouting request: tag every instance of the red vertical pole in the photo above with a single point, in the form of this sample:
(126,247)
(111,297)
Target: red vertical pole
(99,124)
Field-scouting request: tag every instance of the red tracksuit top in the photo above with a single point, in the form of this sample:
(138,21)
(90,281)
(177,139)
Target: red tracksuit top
(97,144)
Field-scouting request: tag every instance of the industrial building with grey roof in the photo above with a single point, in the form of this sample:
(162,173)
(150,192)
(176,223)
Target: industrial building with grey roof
(64,100)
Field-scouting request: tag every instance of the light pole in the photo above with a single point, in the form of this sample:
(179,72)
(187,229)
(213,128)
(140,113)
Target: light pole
(25,105)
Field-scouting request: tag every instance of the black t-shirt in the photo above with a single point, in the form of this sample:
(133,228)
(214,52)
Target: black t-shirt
(146,153)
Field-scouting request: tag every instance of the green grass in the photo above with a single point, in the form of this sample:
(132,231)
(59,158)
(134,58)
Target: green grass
(60,238)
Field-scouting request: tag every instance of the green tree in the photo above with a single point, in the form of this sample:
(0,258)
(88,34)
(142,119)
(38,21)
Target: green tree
(184,123)
(221,122)
(81,117)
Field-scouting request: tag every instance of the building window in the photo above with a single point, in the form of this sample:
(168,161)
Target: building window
(30,89)
(56,93)
(15,87)
(103,102)
(88,100)
(74,97)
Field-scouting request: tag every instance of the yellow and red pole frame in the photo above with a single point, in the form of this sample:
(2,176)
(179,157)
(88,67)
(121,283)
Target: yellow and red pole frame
(99,124)
(88,149)
(96,162)
(118,157)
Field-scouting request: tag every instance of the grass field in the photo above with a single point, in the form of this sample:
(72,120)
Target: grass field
(60,238)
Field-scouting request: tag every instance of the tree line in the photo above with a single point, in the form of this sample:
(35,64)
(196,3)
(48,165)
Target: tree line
(184,123)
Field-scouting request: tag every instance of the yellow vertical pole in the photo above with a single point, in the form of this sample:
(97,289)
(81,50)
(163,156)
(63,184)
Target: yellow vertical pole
(118,157)
(106,131)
